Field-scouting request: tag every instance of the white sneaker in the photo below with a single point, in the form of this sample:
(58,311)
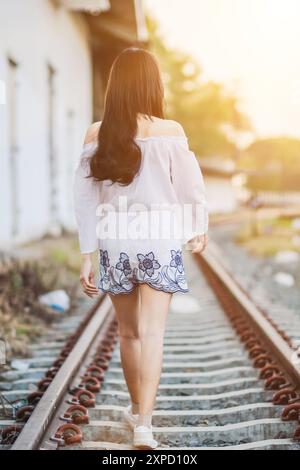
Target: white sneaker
(130,418)
(143,438)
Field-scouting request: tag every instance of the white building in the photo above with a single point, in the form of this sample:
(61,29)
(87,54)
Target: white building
(54,60)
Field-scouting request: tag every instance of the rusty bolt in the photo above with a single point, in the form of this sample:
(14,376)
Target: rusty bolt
(251,343)
(58,362)
(256,351)
(65,352)
(114,329)
(34,397)
(297,434)
(291,412)
(261,361)
(101,362)
(44,384)
(110,335)
(275,382)
(84,398)
(237,320)
(51,373)
(106,348)
(103,356)
(247,335)
(24,413)
(284,396)
(91,383)
(243,329)
(72,338)
(68,434)
(76,414)
(95,371)
(70,343)
(268,371)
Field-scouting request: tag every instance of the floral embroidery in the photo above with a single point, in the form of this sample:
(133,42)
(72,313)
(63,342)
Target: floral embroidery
(176,261)
(122,278)
(148,263)
(104,259)
(124,264)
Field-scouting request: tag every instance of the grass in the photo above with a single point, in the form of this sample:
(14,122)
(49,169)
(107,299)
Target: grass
(269,246)
(267,237)
(35,268)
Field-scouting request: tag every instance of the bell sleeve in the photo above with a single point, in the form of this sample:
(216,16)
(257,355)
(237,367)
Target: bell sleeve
(86,201)
(187,180)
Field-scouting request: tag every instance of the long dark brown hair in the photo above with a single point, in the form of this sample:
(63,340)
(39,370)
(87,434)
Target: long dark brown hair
(134,87)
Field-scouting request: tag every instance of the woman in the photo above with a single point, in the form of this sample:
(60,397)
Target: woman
(137,167)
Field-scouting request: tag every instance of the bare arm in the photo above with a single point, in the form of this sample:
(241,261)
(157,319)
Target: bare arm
(85,195)
(188,180)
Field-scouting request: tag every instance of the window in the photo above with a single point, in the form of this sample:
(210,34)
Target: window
(53,176)
(13,106)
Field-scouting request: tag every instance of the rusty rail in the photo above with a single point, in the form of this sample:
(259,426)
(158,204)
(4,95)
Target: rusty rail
(36,426)
(276,344)
(63,406)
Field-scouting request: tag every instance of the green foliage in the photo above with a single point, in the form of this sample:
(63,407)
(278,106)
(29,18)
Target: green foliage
(274,154)
(274,164)
(207,111)
(271,236)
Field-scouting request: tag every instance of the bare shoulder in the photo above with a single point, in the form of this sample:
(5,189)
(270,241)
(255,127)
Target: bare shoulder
(92,132)
(169,127)
(176,128)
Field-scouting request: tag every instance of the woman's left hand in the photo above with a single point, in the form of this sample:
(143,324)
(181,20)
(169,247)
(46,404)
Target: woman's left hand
(198,244)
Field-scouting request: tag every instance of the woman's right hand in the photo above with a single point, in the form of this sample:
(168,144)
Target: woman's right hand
(87,277)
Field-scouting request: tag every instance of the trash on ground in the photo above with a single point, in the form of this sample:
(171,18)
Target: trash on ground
(287,257)
(284,279)
(20,365)
(58,300)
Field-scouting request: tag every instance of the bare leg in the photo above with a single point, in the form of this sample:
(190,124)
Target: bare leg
(141,317)
(127,311)
(153,314)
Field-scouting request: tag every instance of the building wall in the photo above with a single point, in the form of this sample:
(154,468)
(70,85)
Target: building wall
(221,195)
(39,41)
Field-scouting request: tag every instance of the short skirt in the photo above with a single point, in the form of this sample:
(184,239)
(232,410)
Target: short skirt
(124,264)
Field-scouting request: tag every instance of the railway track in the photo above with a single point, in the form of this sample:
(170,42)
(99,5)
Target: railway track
(21,389)
(230,380)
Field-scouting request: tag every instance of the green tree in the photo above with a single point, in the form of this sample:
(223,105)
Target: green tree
(272,164)
(207,111)
(275,153)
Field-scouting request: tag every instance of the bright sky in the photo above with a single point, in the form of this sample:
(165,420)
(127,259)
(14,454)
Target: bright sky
(252,45)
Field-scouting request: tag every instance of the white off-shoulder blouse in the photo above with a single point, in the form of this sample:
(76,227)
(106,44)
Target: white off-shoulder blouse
(170,177)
